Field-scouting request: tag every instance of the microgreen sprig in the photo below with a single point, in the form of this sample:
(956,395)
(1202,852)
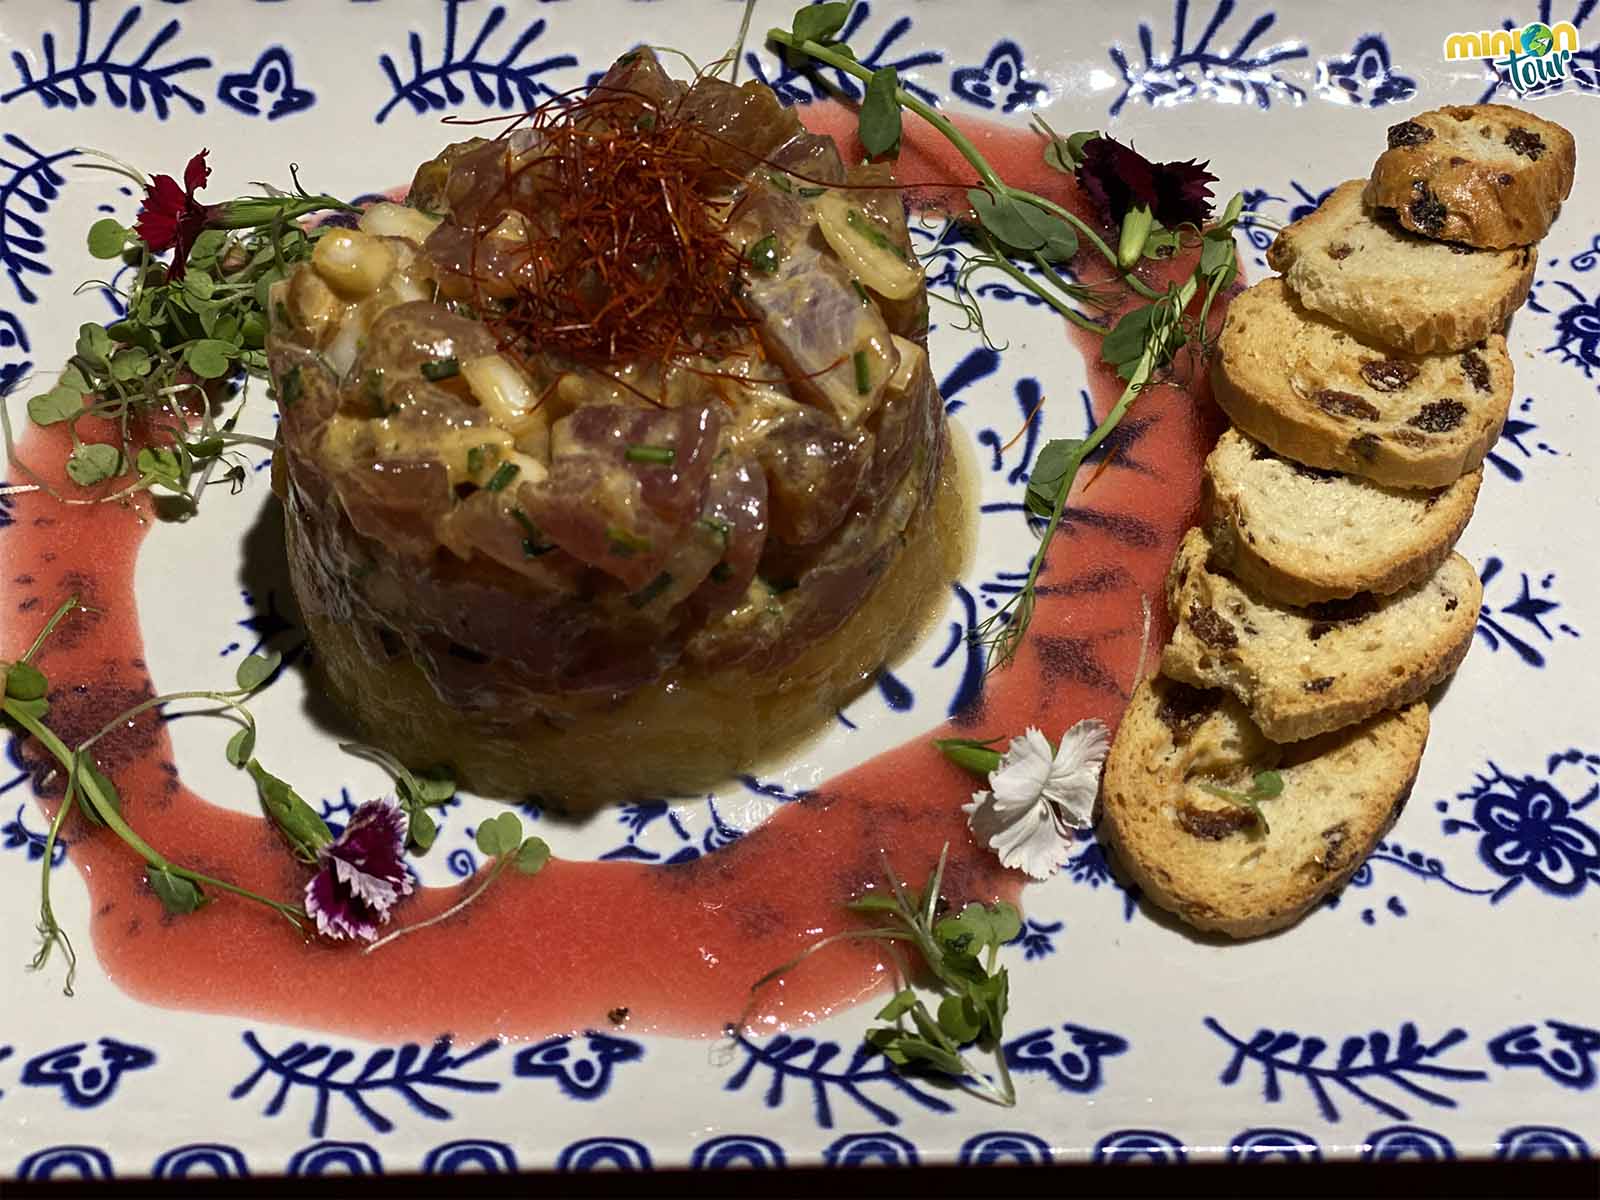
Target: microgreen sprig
(185,328)
(1026,237)
(25,705)
(1265,786)
(500,838)
(960,953)
(417,791)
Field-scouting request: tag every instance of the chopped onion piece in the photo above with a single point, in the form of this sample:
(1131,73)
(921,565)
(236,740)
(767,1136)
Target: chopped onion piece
(866,250)
(353,263)
(503,391)
(911,356)
(397,220)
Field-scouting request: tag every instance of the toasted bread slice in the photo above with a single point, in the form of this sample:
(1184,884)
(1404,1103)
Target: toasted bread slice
(1325,397)
(1481,174)
(1303,671)
(1409,292)
(1299,535)
(1204,857)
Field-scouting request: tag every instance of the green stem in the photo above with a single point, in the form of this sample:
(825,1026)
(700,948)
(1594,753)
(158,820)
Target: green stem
(438,918)
(66,606)
(107,812)
(224,698)
(967,149)
(49,929)
(1002,263)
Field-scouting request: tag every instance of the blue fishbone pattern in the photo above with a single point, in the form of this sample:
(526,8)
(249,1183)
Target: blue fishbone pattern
(1567,1057)
(271,78)
(28,181)
(1529,611)
(1001,82)
(128,84)
(1365,77)
(1583,68)
(1511,435)
(805,82)
(13,345)
(644,817)
(1205,70)
(1531,830)
(814,1063)
(404,1072)
(1360,1064)
(505,83)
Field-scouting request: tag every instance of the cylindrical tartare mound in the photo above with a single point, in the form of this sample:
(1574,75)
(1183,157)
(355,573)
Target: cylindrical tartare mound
(611,458)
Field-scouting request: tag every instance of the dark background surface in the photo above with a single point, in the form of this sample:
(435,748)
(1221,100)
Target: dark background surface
(1456,1179)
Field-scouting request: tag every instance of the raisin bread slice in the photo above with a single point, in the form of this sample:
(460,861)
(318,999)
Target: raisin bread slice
(1323,396)
(1204,857)
(1300,535)
(1303,671)
(1396,287)
(1482,174)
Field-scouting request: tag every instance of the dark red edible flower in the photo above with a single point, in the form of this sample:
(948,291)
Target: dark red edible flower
(1118,178)
(361,874)
(170,217)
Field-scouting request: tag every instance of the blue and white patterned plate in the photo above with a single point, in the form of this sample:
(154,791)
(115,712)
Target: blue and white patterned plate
(1446,1004)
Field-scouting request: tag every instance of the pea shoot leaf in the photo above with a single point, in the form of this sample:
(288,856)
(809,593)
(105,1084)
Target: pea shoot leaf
(94,343)
(107,237)
(178,896)
(1023,226)
(24,681)
(241,746)
(1268,784)
(256,670)
(1125,344)
(421,828)
(959,1018)
(819,22)
(880,113)
(89,773)
(899,1005)
(306,831)
(93,462)
(1049,474)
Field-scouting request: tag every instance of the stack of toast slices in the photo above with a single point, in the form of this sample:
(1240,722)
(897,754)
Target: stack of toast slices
(1322,600)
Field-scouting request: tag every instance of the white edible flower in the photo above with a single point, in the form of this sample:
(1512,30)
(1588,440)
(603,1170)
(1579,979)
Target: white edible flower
(1038,797)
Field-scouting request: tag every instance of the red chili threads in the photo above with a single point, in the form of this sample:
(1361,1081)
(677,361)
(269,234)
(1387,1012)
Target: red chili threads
(610,227)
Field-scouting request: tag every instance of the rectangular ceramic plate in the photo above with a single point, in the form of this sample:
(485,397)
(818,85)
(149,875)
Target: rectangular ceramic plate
(1445,1005)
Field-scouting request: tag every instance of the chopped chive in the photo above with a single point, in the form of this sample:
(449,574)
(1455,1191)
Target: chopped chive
(763,255)
(435,369)
(862,225)
(646,122)
(481,456)
(533,545)
(716,527)
(863,372)
(503,475)
(861,291)
(721,573)
(372,386)
(811,193)
(651,454)
(290,387)
(781,182)
(625,543)
(651,590)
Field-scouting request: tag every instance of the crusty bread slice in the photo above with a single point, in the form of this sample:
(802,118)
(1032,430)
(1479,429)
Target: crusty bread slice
(1482,174)
(1299,535)
(1323,396)
(1396,287)
(1303,671)
(1204,857)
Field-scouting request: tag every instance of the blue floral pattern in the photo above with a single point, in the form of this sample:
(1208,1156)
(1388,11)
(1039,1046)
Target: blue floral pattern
(86,1078)
(582,1071)
(1531,830)
(1515,624)
(1365,76)
(1566,1053)
(267,88)
(1001,81)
